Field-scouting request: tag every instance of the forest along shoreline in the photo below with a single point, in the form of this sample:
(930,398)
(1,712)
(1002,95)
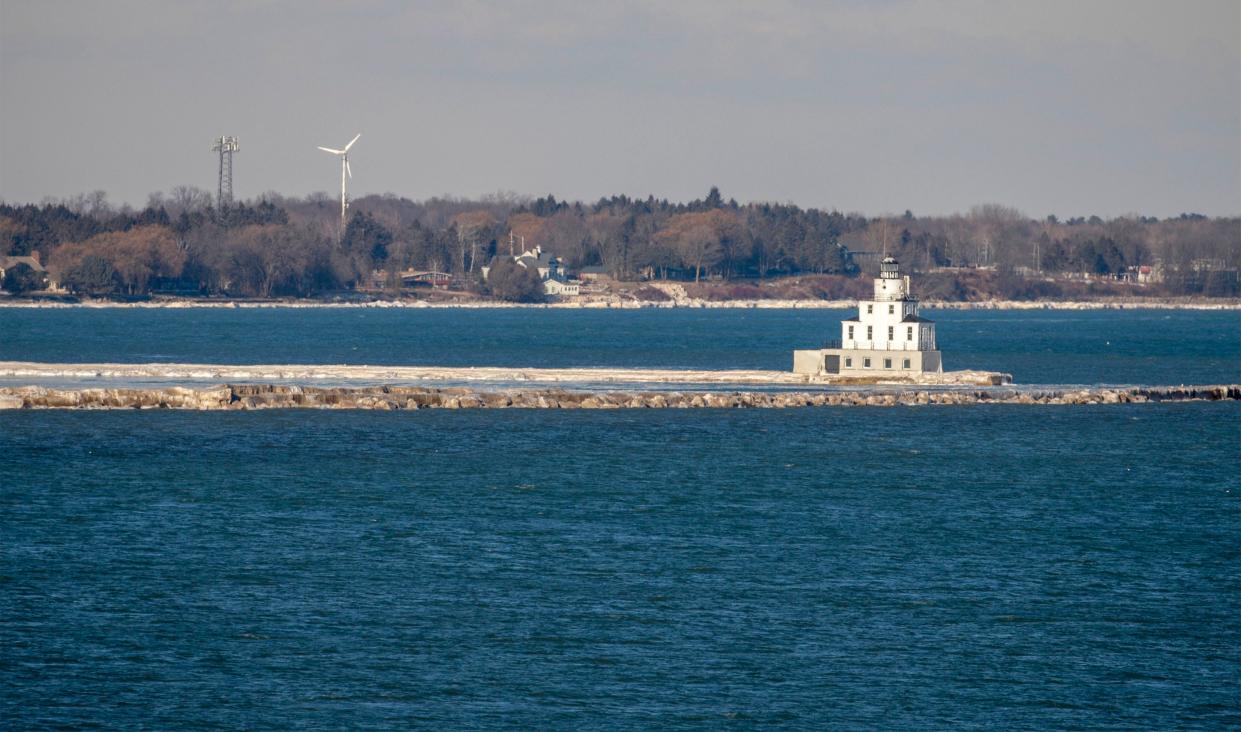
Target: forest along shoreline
(244,397)
(620,304)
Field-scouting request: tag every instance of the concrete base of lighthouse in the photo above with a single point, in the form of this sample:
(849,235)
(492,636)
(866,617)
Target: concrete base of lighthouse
(866,362)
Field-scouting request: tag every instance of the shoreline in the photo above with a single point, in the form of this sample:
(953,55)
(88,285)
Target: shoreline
(617,304)
(247,397)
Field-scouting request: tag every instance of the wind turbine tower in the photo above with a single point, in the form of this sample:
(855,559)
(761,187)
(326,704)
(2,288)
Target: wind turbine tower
(226,146)
(344,171)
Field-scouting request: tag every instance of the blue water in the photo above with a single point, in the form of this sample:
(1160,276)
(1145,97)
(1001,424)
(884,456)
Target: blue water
(1037,347)
(991,567)
(981,567)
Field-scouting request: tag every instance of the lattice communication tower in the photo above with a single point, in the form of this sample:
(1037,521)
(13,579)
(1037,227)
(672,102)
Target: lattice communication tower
(226,146)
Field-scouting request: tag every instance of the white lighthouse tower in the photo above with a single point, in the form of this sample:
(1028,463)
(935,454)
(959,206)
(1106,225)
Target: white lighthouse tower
(886,338)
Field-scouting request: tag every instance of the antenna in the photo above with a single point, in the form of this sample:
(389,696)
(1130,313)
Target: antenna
(225,146)
(345,173)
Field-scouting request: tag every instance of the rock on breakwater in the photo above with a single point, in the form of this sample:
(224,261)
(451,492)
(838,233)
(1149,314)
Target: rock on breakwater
(283,396)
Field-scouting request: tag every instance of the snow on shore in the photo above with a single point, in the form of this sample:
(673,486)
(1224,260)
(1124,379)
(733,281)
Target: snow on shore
(618,304)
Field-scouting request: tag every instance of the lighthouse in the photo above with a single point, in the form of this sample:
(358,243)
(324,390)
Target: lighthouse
(887,337)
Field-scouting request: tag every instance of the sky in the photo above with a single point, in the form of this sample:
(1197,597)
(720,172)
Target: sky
(1106,107)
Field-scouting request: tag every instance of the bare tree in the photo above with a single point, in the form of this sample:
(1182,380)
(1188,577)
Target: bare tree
(187,199)
(565,235)
(607,230)
(470,227)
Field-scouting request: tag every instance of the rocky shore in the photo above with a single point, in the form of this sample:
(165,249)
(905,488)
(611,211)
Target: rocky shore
(280,396)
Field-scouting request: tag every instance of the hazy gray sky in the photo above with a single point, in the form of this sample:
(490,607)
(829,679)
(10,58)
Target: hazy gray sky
(1079,107)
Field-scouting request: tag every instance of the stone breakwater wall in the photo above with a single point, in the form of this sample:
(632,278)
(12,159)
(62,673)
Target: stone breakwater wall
(280,396)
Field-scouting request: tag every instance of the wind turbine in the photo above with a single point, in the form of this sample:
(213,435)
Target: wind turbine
(344,171)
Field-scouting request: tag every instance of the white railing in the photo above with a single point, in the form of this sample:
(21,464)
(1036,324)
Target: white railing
(887,345)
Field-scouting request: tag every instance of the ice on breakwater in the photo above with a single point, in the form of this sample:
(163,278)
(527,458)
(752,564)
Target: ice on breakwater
(175,372)
(277,396)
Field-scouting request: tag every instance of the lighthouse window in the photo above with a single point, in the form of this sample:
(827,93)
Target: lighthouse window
(909,333)
(851,332)
(866,363)
(870,309)
(891,309)
(887,363)
(870,332)
(890,329)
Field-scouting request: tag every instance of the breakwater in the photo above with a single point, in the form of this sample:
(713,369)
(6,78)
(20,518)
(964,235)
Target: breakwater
(284,396)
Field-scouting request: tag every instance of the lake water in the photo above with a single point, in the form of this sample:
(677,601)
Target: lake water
(1037,347)
(981,567)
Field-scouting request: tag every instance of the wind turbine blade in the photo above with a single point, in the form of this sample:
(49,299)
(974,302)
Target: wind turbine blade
(355,139)
(334,152)
(348,169)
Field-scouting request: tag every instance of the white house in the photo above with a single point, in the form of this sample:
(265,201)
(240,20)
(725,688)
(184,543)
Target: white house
(550,269)
(561,288)
(886,337)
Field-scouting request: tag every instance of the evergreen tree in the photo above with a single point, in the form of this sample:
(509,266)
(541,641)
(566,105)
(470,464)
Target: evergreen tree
(94,275)
(365,235)
(714,200)
(22,278)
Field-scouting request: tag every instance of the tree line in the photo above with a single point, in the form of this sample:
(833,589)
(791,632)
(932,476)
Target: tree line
(181,242)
